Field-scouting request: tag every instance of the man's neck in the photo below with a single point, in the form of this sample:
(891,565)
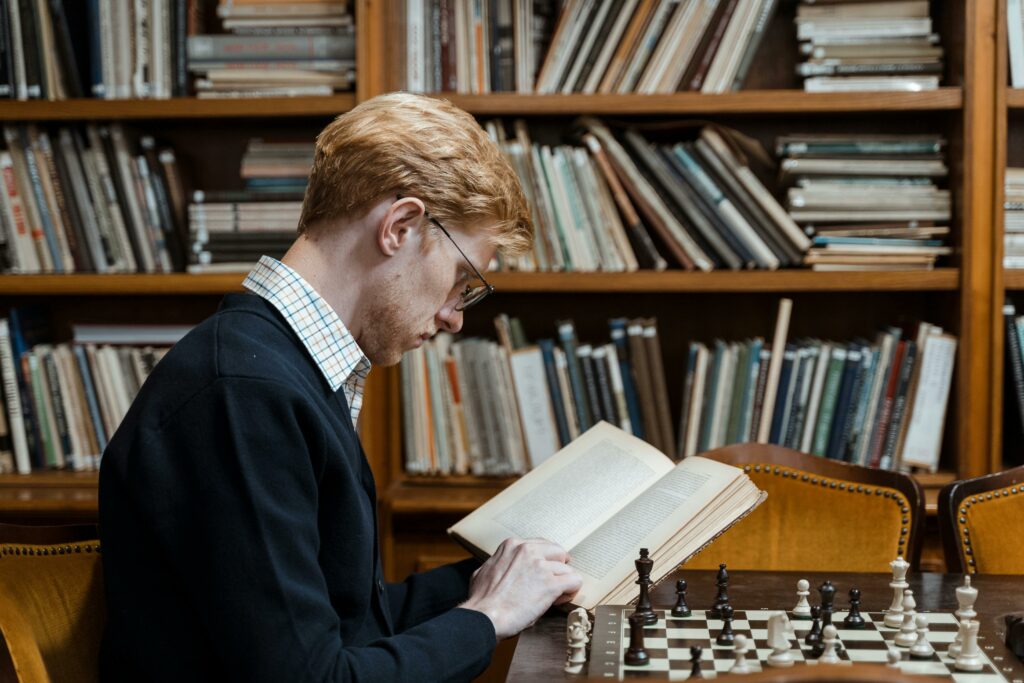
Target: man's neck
(335,272)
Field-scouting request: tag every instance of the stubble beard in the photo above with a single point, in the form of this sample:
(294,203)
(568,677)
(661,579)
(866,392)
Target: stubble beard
(386,330)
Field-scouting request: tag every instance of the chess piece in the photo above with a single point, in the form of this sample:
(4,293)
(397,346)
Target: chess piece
(958,642)
(921,649)
(813,637)
(894,615)
(723,593)
(681,609)
(831,639)
(644,565)
(853,619)
(908,633)
(828,595)
(740,649)
(778,641)
(966,595)
(969,658)
(725,636)
(893,658)
(803,608)
(636,654)
(696,651)
(576,628)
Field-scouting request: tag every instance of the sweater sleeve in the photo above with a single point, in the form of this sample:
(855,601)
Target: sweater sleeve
(427,594)
(232,479)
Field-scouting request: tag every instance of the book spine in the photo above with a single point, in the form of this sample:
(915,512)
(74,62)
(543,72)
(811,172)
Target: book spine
(604,385)
(43,412)
(782,396)
(60,417)
(794,415)
(584,353)
(642,375)
(684,411)
(710,399)
(840,415)
(767,11)
(12,399)
(696,79)
(45,218)
(885,409)
(547,348)
(757,408)
(826,412)
(657,373)
(567,336)
(7,82)
(618,391)
(898,406)
(1014,356)
(30,48)
(617,327)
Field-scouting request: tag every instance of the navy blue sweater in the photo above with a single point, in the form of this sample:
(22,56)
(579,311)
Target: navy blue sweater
(239,532)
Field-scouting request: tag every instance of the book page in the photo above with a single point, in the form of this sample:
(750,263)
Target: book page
(570,494)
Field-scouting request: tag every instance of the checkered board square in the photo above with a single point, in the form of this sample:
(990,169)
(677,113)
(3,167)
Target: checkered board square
(668,644)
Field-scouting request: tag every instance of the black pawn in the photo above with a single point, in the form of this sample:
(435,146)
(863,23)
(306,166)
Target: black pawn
(722,598)
(695,653)
(813,637)
(828,596)
(854,620)
(681,609)
(725,636)
(636,655)
(644,565)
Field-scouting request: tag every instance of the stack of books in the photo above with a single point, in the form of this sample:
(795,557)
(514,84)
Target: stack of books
(870,202)
(89,200)
(622,202)
(617,46)
(276,49)
(500,408)
(1013,224)
(869,45)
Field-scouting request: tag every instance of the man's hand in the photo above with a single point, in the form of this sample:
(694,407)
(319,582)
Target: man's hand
(520,582)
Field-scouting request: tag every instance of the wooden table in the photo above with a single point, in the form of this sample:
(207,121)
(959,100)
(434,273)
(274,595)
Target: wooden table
(540,653)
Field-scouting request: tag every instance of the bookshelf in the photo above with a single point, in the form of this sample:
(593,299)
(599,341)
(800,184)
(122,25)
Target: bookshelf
(970,110)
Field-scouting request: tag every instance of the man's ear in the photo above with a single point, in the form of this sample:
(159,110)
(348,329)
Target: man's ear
(400,224)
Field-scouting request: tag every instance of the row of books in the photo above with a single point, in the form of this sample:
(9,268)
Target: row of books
(621,202)
(111,49)
(63,402)
(89,199)
(272,49)
(1013,207)
(475,406)
(870,202)
(868,45)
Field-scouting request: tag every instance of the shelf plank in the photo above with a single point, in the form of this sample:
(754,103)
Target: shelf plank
(1013,278)
(57,495)
(175,108)
(942,279)
(440,496)
(1015,98)
(742,102)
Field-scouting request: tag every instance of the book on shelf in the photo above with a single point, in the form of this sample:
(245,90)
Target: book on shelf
(605,496)
(1015,41)
(1013,219)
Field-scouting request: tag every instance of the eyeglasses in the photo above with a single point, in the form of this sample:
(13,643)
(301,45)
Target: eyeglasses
(472,295)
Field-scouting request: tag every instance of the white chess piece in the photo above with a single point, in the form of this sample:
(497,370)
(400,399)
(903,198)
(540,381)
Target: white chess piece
(830,638)
(803,608)
(781,656)
(958,641)
(969,658)
(576,628)
(922,648)
(908,633)
(893,658)
(894,615)
(966,595)
(740,648)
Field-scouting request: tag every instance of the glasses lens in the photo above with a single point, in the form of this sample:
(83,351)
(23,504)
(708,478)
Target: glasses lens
(473,295)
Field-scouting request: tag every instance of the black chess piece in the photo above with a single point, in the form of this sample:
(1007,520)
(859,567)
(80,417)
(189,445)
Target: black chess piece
(681,609)
(813,636)
(695,654)
(725,636)
(854,620)
(636,655)
(722,598)
(644,565)
(828,595)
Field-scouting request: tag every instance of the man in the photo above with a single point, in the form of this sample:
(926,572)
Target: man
(237,510)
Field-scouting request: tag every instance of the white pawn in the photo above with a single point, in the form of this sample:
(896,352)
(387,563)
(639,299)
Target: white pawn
(958,641)
(894,615)
(893,658)
(781,656)
(966,595)
(922,649)
(740,649)
(908,633)
(830,638)
(803,608)
(969,658)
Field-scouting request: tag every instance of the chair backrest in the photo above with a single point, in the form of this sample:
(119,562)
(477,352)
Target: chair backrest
(981,521)
(52,608)
(820,515)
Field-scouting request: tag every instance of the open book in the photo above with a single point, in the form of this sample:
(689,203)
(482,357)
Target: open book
(605,496)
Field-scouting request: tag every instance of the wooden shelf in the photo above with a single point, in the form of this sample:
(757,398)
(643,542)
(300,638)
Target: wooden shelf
(743,102)
(1013,278)
(450,495)
(931,483)
(89,285)
(60,495)
(1015,98)
(175,108)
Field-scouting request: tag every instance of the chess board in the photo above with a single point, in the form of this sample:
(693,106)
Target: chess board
(668,644)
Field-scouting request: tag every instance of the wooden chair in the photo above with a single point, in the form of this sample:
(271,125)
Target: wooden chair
(52,607)
(820,515)
(981,521)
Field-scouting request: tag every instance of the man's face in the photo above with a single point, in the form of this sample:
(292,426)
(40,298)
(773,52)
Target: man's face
(420,301)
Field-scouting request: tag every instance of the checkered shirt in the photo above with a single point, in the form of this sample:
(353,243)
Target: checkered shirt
(332,346)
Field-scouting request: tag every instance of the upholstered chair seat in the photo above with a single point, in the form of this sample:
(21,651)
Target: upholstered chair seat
(982,523)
